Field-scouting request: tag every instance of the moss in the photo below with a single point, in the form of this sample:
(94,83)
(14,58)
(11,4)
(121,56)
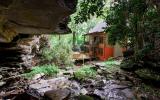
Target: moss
(9,34)
(129,65)
(148,74)
(6,33)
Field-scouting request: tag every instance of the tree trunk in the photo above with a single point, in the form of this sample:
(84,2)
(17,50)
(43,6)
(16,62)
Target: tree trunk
(74,39)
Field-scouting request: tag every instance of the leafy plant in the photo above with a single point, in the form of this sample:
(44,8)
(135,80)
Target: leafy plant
(110,62)
(48,70)
(85,72)
(112,65)
(59,52)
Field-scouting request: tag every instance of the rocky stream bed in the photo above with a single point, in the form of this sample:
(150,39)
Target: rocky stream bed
(106,85)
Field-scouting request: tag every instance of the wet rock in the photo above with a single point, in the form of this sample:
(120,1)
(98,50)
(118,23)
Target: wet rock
(98,78)
(113,90)
(116,95)
(38,89)
(100,64)
(99,71)
(100,93)
(84,91)
(127,83)
(38,76)
(75,89)
(83,97)
(128,93)
(2,83)
(100,84)
(64,73)
(69,72)
(60,74)
(59,94)
(1,76)
(148,74)
(128,65)
(88,83)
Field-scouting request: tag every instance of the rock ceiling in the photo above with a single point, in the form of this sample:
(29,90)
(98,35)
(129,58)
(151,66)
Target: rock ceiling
(33,17)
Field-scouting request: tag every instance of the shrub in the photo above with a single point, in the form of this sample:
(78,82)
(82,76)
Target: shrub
(48,70)
(85,72)
(110,62)
(59,53)
(112,65)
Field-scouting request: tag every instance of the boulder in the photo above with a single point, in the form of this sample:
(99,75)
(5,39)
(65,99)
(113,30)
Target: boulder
(84,91)
(114,91)
(59,94)
(59,87)
(83,97)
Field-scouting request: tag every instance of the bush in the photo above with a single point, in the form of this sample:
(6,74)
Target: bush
(112,65)
(48,70)
(60,51)
(85,72)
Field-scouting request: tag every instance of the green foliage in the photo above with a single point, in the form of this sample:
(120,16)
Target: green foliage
(128,65)
(112,65)
(110,59)
(141,53)
(84,73)
(59,52)
(134,21)
(48,70)
(110,62)
(81,28)
(88,8)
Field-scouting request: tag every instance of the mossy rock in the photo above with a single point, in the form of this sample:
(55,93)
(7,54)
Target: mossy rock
(148,74)
(153,65)
(128,65)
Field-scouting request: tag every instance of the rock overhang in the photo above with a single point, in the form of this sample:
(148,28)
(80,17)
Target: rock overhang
(34,17)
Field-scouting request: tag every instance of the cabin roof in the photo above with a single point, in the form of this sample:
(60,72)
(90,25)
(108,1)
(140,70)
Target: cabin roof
(98,28)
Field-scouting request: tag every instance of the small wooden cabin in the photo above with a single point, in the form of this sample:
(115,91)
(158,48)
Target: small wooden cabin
(96,44)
